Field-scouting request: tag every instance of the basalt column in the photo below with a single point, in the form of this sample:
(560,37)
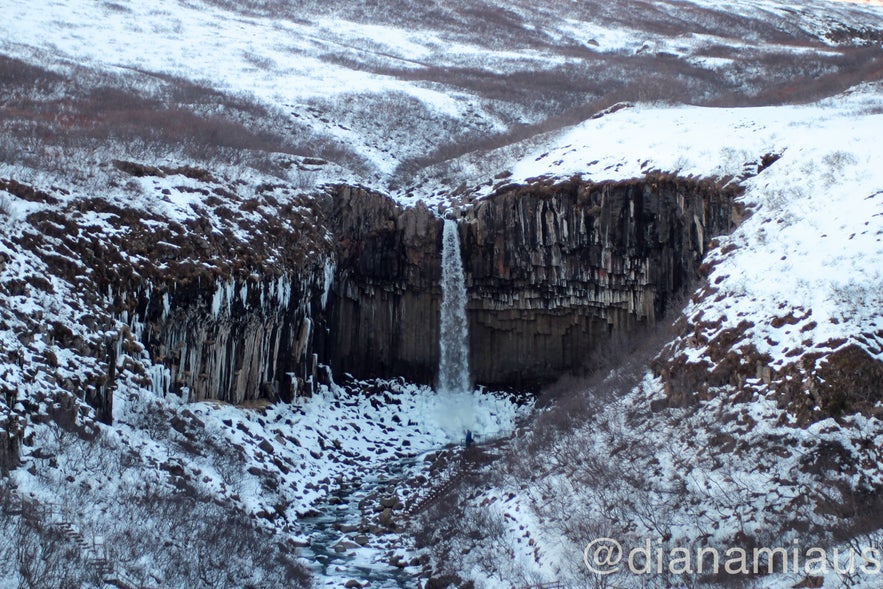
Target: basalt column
(383,312)
(554,270)
(551,269)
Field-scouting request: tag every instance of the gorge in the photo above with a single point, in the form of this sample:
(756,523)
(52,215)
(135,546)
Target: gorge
(440,294)
(552,271)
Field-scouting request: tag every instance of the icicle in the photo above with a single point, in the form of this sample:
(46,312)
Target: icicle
(329,279)
(282,292)
(228,295)
(160,379)
(166,306)
(217,301)
(223,298)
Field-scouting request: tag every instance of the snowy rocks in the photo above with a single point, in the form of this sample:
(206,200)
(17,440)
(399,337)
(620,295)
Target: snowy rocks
(362,540)
(391,503)
(344,545)
(385,518)
(397,560)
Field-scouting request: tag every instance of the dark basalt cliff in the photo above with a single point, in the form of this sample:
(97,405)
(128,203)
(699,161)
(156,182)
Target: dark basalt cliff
(246,298)
(383,312)
(552,270)
(555,270)
(244,341)
(218,306)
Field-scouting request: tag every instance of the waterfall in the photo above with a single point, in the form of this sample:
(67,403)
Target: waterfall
(453,366)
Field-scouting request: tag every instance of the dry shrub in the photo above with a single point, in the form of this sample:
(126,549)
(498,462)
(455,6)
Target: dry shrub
(47,119)
(15,73)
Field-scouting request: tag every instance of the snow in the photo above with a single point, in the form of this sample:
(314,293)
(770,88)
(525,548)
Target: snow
(340,437)
(826,188)
(332,79)
(708,142)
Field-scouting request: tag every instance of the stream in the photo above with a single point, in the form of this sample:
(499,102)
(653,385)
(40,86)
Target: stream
(347,518)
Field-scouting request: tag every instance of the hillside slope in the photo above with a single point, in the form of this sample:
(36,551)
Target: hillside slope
(396,96)
(758,424)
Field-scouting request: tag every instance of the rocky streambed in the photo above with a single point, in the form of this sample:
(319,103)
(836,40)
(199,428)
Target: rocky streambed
(356,540)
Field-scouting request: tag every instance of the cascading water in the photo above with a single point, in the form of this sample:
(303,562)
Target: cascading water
(453,368)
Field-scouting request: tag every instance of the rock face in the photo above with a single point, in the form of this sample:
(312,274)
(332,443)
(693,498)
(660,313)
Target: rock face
(236,342)
(219,305)
(552,271)
(383,312)
(555,270)
(245,298)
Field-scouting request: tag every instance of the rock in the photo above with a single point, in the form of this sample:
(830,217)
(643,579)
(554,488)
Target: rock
(554,270)
(389,502)
(421,560)
(352,584)
(362,540)
(386,518)
(344,545)
(137,170)
(442,582)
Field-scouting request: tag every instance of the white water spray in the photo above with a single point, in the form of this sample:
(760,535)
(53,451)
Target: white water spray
(453,366)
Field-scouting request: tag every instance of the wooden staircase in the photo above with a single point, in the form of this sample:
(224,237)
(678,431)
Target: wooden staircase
(93,550)
(469,460)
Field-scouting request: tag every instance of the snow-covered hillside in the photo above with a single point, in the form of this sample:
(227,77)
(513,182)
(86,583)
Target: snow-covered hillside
(388,92)
(168,173)
(759,424)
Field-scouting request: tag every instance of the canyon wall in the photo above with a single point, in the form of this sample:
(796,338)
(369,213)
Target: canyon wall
(219,303)
(246,299)
(383,311)
(236,340)
(552,271)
